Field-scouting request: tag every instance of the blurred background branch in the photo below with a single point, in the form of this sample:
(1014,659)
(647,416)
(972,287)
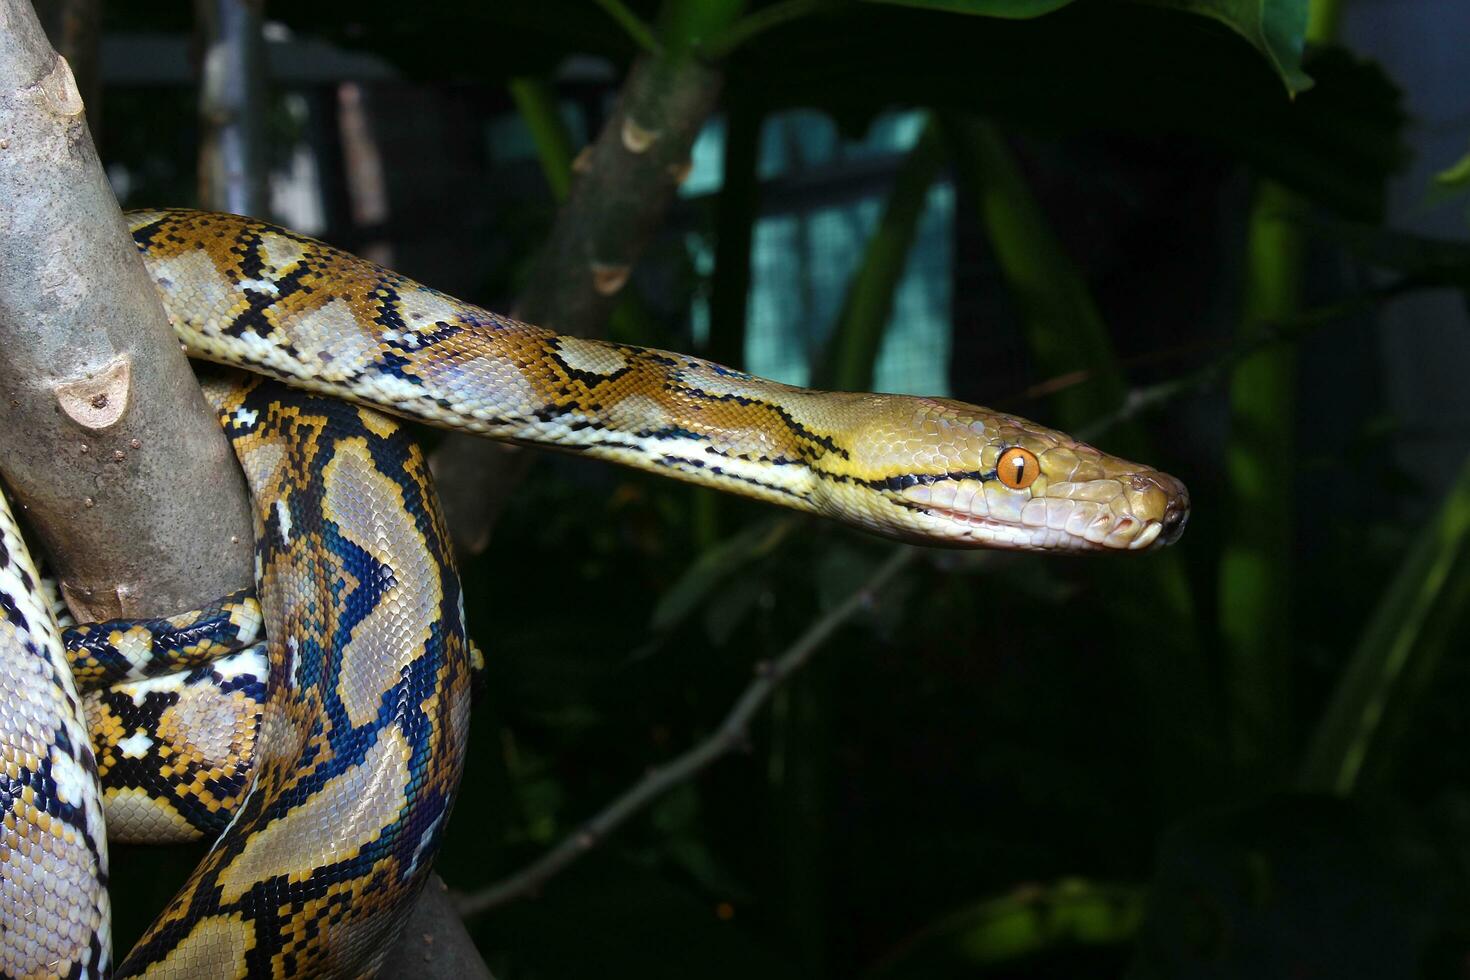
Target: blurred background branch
(733,733)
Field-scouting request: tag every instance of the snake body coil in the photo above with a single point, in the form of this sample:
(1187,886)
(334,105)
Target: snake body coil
(325,761)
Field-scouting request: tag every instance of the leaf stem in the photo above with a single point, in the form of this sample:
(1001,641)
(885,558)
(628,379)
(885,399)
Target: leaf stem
(761,21)
(631,24)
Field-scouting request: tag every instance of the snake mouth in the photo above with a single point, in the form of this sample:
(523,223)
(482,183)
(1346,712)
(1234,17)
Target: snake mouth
(1140,515)
(1103,532)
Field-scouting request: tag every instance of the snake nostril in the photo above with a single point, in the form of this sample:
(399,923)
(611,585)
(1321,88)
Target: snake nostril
(1174,520)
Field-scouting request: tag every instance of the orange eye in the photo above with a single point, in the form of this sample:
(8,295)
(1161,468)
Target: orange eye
(1017,468)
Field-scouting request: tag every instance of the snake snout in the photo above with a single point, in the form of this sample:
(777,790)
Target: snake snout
(1168,499)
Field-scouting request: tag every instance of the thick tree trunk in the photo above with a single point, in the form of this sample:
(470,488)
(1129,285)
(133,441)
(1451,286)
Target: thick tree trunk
(109,450)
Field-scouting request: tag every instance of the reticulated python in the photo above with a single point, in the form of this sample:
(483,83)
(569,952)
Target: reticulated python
(325,759)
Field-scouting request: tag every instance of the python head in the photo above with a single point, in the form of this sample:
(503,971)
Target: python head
(943,472)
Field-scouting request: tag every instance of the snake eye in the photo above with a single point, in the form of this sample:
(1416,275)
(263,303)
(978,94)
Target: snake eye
(1017,468)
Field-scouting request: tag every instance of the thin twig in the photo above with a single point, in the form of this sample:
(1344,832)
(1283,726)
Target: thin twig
(631,24)
(731,734)
(1142,399)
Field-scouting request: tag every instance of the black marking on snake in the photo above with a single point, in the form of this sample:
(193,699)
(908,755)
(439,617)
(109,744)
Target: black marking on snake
(390,317)
(252,263)
(253,317)
(577,450)
(552,412)
(676,432)
(144,234)
(426,339)
(385,292)
(904,480)
(754,457)
(589,379)
(12,611)
(674,462)
(745,401)
(394,363)
(657,357)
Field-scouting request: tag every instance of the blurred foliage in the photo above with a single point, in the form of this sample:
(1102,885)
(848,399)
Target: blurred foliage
(1420,615)
(992,723)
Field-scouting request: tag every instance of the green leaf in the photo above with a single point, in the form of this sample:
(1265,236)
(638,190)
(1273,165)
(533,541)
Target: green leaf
(1396,656)
(537,103)
(1031,920)
(1276,28)
(1011,9)
(1456,176)
(1158,72)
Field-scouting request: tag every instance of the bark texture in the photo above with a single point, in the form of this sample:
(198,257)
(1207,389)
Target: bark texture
(435,945)
(109,450)
(74,27)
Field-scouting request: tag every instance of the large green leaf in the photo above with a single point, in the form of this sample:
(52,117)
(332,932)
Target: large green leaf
(1089,66)
(1013,9)
(1276,28)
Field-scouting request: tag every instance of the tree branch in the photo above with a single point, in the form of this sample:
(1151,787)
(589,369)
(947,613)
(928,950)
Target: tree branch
(232,147)
(435,945)
(74,28)
(1270,334)
(109,448)
(730,735)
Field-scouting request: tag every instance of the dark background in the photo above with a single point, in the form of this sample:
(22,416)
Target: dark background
(1012,765)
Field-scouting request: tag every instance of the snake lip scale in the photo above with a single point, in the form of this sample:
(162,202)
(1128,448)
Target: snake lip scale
(324,760)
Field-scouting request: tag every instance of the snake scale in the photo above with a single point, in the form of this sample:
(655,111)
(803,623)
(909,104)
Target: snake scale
(323,758)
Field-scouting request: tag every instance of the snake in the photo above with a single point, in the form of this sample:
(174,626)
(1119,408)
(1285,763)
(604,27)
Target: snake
(315,728)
